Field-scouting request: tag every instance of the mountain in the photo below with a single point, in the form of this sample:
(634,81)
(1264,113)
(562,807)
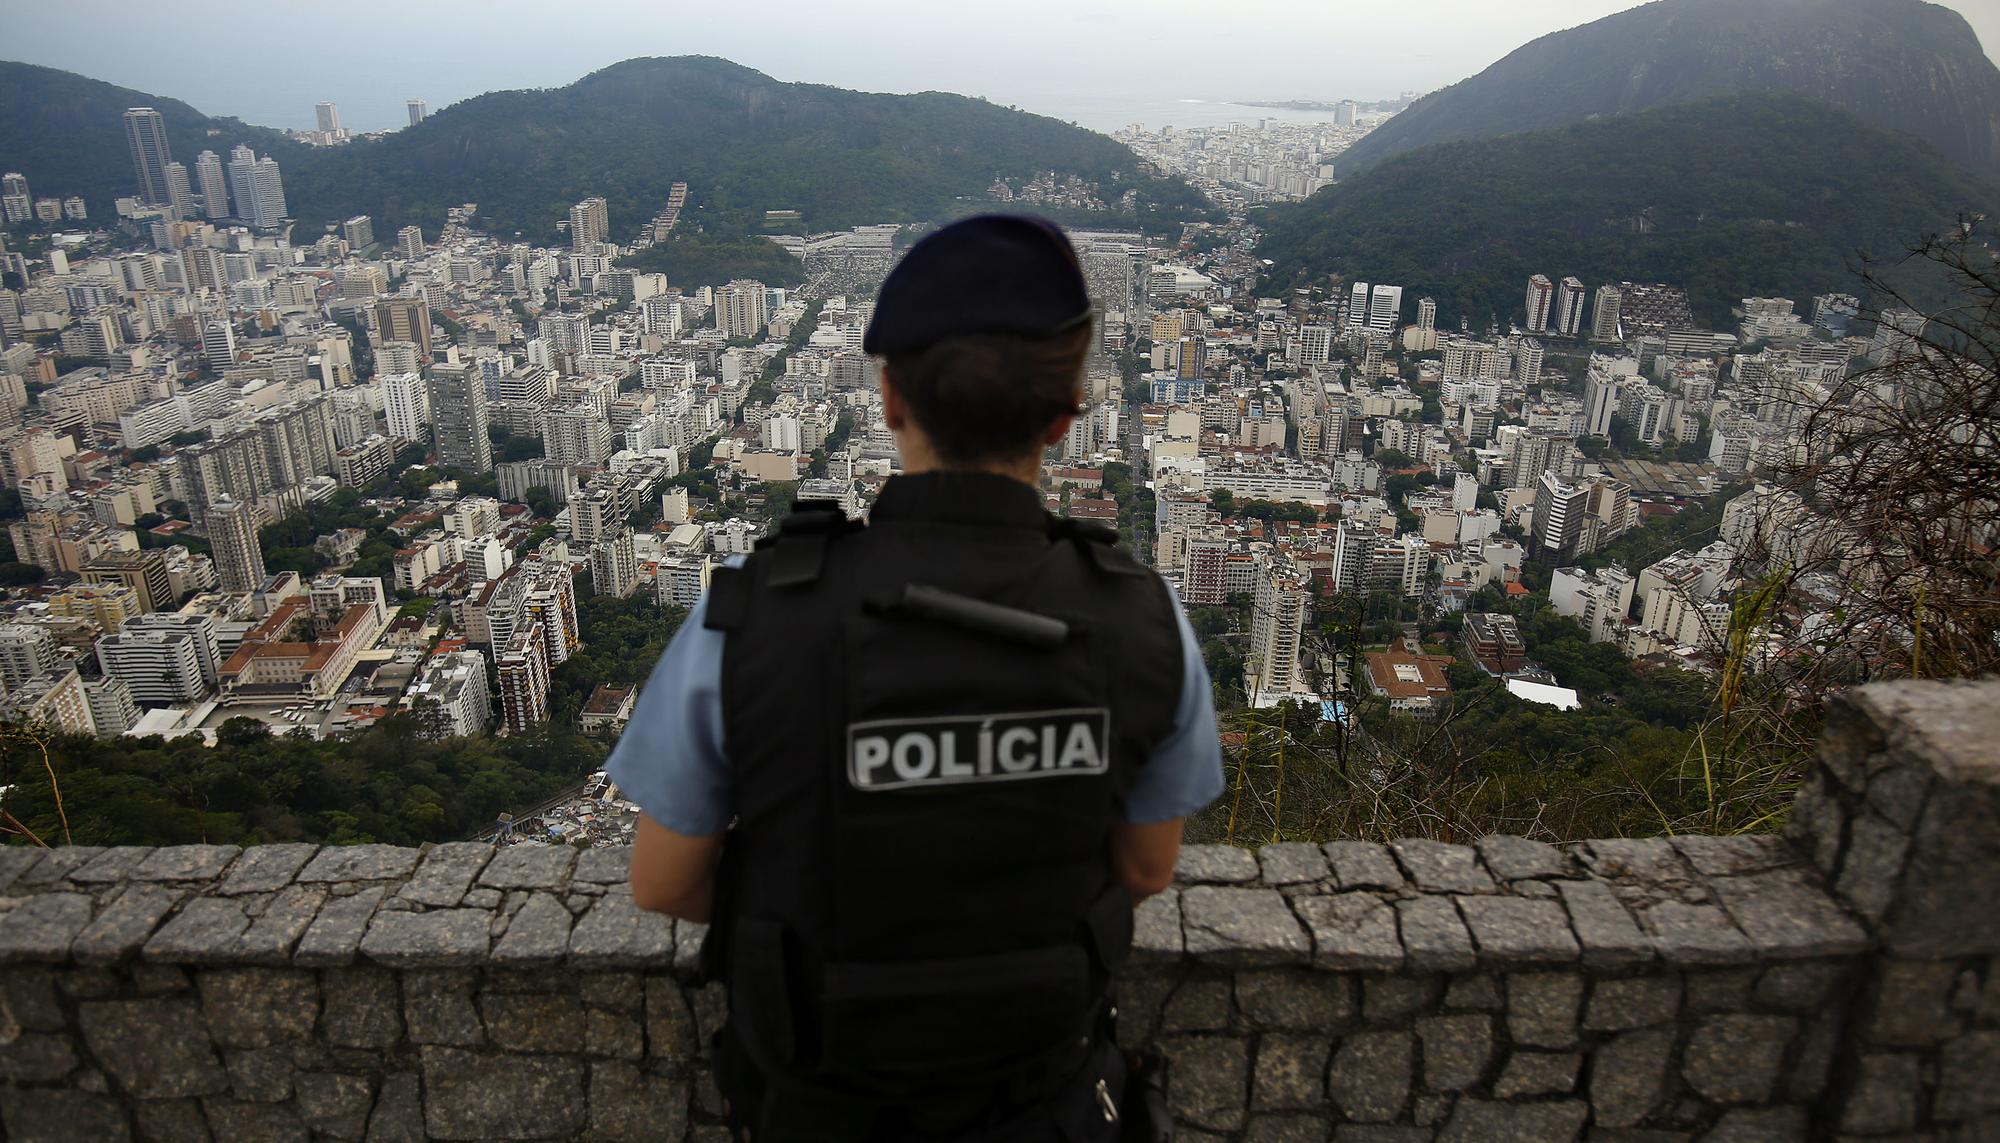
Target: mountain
(1741,196)
(1901,64)
(66,133)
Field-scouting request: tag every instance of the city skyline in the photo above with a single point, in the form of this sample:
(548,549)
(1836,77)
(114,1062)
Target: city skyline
(1049,58)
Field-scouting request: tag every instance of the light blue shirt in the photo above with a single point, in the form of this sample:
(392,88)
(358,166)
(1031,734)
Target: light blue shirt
(670,759)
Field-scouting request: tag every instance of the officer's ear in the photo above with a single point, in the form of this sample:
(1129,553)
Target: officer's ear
(1057,429)
(895,413)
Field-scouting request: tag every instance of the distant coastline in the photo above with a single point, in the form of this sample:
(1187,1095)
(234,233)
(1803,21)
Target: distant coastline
(1322,105)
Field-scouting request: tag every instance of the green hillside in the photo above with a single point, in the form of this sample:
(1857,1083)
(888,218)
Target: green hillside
(1742,196)
(744,142)
(66,133)
(1902,64)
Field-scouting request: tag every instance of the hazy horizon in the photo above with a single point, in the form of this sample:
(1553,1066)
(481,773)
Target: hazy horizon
(1075,62)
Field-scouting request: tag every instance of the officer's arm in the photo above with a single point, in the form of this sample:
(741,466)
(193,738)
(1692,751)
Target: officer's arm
(674,873)
(1142,856)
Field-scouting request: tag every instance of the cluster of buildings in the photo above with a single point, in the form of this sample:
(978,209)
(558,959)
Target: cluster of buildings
(1269,160)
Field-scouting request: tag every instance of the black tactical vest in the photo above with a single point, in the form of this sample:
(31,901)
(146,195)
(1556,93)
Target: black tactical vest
(932,723)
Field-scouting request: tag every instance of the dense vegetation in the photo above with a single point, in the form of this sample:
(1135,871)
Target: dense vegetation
(1898,64)
(690,260)
(1744,196)
(66,133)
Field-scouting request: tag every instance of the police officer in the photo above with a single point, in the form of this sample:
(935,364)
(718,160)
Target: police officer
(916,773)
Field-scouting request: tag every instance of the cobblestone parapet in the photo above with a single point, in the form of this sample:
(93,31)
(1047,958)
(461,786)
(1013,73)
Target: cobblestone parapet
(1839,981)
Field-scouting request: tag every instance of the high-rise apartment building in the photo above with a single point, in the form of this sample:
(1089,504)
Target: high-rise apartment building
(26,650)
(1560,508)
(1385,308)
(1541,299)
(1275,632)
(146,134)
(212,184)
(417,111)
(232,533)
(410,240)
(1604,322)
(1427,313)
(739,310)
(145,574)
(359,231)
(458,410)
(578,434)
(180,194)
(405,319)
(218,344)
(1569,307)
(328,117)
(16,204)
(406,405)
(163,660)
(258,188)
(589,221)
(523,667)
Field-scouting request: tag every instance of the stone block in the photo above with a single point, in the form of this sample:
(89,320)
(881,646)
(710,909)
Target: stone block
(153,1049)
(618,934)
(398,1114)
(607,865)
(1688,935)
(628,1105)
(614,991)
(1787,915)
(445,873)
(51,1115)
(1800,986)
(1913,1003)
(1513,858)
(688,939)
(122,927)
(1362,865)
(1628,1076)
(1457,1050)
(259,1007)
(266,868)
(363,1008)
(236,1119)
(171,1121)
(474,1095)
(1510,931)
(16,860)
(1295,1000)
(443,938)
(1821,1043)
(1291,1073)
(1722,990)
(277,930)
(42,929)
(57,864)
(529,867)
(1639,865)
(1434,935)
(28,999)
(1379,1133)
(114,863)
(1156,928)
(359,863)
(1966,1089)
(1210,1078)
(438,1008)
(1214,864)
(1393,999)
(1198,1006)
(207,930)
(616,1035)
(1537,1073)
(532,1022)
(334,1106)
(1291,863)
(36,1057)
(1608,935)
(1887,1095)
(185,863)
(1542,1008)
(1438,867)
(1478,1121)
(1477,991)
(1736,854)
(259,1075)
(1287,1129)
(1369,1079)
(1872,866)
(537,935)
(1352,931)
(335,935)
(1735,1058)
(670,1026)
(1242,927)
(1759,1125)
(1637,1002)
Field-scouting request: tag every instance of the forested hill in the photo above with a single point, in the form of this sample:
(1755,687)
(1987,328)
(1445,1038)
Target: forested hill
(66,133)
(1742,196)
(745,143)
(1902,64)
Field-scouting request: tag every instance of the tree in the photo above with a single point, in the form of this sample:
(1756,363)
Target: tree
(1223,501)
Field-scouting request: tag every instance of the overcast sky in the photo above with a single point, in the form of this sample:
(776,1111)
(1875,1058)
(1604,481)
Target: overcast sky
(1093,61)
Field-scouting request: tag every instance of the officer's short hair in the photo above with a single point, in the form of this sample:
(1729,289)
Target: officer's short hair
(990,396)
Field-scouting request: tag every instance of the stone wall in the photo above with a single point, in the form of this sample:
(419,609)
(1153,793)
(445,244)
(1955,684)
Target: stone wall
(1836,983)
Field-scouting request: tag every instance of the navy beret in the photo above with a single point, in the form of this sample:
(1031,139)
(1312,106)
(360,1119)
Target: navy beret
(991,273)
